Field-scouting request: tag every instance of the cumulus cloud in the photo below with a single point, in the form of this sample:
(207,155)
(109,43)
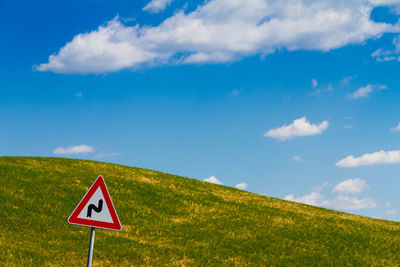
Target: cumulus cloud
(220,31)
(241,186)
(380,157)
(73,150)
(351,186)
(341,201)
(365,91)
(156,6)
(213,180)
(299,127)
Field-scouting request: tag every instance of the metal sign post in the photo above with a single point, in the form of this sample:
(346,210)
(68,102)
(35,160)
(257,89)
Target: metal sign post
(91,245)
(95,210)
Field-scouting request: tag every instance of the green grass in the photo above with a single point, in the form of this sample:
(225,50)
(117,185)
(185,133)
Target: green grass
(172,220)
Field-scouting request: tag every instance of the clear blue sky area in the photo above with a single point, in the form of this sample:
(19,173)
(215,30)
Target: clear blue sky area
(179,99)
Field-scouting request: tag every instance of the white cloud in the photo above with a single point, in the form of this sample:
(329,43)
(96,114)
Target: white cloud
(298,159)
(299,127)
(351,203)
(365,91)
(213,180)
(314,198)
(380,157)
(73,149)
(385,2)
(396,129)
(156,6)
(314,82)
(320,187)
(220,31)
(351,186)
(340,201)
(235,93)
(361,92)
(388,55)
(241,186)
(346,80)
(319,91)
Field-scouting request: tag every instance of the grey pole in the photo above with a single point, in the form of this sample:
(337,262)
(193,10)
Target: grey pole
(91,244)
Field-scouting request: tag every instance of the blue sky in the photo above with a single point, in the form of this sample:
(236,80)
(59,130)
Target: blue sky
(295,100)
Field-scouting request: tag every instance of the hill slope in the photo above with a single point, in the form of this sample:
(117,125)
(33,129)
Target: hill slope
(173,220)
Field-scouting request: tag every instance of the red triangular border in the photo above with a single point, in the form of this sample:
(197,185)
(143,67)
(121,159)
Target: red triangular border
(73,218)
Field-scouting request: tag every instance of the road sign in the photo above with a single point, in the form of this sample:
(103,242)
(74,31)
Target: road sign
(96,209)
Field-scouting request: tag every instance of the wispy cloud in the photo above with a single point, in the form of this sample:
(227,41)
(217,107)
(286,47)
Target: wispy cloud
(73,150)
(219,31)
(318,92)
(299,127)
(157,6)
(235,93)
(361,92)
(380,157)
(391,212)
(318,188)
(298,159)
(396,129)
(388,54)
(346,80)
(314,82)
(366,91)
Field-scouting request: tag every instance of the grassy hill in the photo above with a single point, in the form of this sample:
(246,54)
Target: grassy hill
(172,220)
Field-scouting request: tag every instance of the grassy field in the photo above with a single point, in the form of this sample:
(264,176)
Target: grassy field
(172,220)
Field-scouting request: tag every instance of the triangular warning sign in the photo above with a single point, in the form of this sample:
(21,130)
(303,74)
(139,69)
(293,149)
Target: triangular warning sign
(96,208)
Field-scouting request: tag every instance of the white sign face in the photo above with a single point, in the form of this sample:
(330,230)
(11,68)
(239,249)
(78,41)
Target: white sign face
(96,209)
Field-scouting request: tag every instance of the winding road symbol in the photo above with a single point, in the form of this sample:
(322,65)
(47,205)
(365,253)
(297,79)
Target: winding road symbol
(96,208)
(93,207)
